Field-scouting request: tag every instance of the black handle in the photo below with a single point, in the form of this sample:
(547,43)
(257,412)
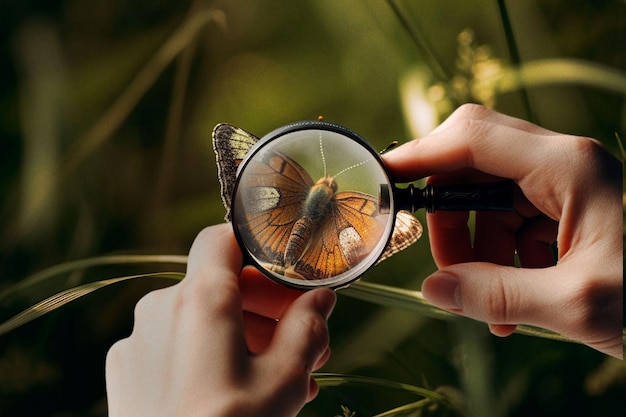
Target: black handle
(495,196)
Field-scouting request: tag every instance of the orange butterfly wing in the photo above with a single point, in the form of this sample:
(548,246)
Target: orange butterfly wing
(274,191)
(346,235)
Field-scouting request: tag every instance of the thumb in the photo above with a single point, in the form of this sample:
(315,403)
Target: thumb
(565,298)
(300,343)
(302,331)
(501,295)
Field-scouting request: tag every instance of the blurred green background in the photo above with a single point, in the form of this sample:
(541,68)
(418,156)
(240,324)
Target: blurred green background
(106,112)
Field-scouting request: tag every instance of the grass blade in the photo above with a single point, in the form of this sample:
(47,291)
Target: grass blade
(137,88)
(514,52)
(403,409)
(560,71)
(325,379)
(23,285)
(64,297)
(423,47)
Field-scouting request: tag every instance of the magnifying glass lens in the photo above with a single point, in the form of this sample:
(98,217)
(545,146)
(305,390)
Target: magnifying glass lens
(307,206)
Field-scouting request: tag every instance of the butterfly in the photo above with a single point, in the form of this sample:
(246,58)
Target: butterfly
(288,210)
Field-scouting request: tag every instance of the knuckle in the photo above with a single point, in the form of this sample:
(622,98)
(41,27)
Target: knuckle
(501,300)
(147,305)
(116,352)
(471,111)
(206,233)
(474,132)
(583,145)
(208,242)
(318,329)
(586,152)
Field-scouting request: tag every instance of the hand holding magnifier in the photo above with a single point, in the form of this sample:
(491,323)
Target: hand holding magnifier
(312,204)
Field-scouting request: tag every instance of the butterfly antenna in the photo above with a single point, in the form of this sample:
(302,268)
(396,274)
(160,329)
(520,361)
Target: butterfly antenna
(392,145)
(350,167)
(322,153)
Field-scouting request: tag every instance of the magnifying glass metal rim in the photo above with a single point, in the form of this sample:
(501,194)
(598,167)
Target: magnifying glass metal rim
(354,273)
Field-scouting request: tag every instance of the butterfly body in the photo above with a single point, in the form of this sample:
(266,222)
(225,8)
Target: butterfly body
(318,203)
(320,197)
(316,207)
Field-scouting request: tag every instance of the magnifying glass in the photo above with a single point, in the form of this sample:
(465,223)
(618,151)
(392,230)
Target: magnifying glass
(313,205)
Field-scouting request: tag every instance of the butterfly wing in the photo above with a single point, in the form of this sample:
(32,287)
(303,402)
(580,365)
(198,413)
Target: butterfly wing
(231,144)
(275,188)
(347,234)
(407,231)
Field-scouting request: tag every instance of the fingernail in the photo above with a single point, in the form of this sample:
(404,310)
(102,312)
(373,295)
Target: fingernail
(325,301)
(443,290)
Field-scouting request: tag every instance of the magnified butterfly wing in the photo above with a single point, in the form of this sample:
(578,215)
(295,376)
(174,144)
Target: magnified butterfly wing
(231,144)
(274,195)
(407,231)
(347,234)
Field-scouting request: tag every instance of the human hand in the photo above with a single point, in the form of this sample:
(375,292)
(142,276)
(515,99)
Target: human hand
(221,342)
(571,194)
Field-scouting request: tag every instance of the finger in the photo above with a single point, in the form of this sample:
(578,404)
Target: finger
(314,389)
(478,112)
(302,333)
(259,331)
(262,296)
(534,242)
(495,237)
(214,254)
(300,340)
(502,330)
(493,293)
(323,359)
(450,238)
(479,144)
(313,386)
(506,296)
(208,298)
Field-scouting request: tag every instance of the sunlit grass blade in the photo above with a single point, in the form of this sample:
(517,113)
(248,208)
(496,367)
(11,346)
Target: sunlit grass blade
(324,379)
(560,71)
(64,297)
(22,286)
